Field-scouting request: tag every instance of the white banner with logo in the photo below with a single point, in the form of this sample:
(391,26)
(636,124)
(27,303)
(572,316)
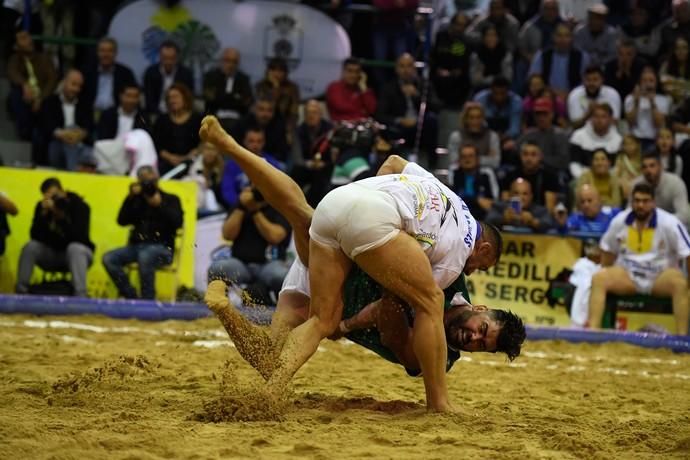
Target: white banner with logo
(312,43)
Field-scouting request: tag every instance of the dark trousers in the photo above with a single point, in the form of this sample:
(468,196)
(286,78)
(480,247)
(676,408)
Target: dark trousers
(148,256)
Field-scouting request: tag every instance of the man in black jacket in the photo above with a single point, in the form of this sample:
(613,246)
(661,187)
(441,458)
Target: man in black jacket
(227,90)
(155,217)
(118,121)
(158,77)
(59,238)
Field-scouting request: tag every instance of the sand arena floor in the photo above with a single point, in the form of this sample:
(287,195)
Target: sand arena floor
(92,387)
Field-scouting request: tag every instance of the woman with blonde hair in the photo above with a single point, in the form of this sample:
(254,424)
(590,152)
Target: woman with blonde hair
(473,131)
(628,163)
(600,177)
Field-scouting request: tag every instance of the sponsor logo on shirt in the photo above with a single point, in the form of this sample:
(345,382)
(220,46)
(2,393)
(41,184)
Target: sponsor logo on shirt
(426,238)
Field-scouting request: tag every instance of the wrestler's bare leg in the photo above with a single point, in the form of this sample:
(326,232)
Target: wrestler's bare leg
(279,190)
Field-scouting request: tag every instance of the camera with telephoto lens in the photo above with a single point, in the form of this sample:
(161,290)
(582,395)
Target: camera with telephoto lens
(148,188)
(60,202)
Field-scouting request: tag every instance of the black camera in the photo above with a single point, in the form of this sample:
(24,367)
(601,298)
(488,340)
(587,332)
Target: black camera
(149,187)
(60,202)
(256,194)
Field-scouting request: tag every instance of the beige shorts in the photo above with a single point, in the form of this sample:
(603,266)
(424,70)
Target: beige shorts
(356,219)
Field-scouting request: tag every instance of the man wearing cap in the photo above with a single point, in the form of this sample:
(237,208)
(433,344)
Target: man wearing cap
(552,140)
(597,38)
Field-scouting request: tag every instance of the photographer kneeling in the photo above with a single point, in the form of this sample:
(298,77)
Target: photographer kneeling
(59,238)
(155,216)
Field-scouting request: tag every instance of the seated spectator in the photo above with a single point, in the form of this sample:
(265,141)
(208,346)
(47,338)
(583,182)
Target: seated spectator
(207,172)
(670,193)
(503,111)
(646,109)
(277,87)
(59,238)
(313,169)
(591,216)
(680,120)
(155,217)
(489,60)
(6,207)
(552,140)
(537,89)
(537,33)
(670,160)
(623,73)
(544,182)
(498,17)
(520,210)
(159,77)
(349,98)
(176,132)
(582,99)
(641,33)
(65,124)
(253,226)
(399,107)
(473,131)
(678,25)
(234,180)
(32,78)
(675,71)
(598,133)
(227,90)
(596,37)
(105,80)
(641,253)
(116,121)
(476,185)
(450,63)
(563,65)
(628,164)
(263,117)
(599,176)
(312,129)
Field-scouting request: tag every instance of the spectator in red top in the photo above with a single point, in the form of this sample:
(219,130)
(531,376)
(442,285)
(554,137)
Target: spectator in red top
(349,99)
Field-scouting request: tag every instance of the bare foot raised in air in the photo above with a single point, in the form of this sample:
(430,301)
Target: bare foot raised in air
(216,297)
(211,131)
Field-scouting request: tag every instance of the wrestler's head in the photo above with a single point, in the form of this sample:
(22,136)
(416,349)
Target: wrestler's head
(487,250)
(479,328)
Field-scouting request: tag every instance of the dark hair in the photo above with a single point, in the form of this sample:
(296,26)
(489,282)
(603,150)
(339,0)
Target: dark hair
(352,61)
(130,85)
(673,63)
(590,69)
(50,182)
(169,44)
(110,40)
(653,154)
(492,235)
(627,43)
(643,187)
(277,63)
(500,81)
(187,96)
(603,106)
(255,129)
(511,334)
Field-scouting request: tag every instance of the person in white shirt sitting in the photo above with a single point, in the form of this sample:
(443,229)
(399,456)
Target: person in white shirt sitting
(582,99)
(598,133)
(646,109)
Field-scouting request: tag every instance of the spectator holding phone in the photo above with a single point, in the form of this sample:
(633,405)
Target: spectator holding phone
(520,210)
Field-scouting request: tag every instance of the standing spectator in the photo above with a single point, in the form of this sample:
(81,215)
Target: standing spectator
(552,140)
(281,90)
(476,185)
(675,71)
(313,169)
(253,226)
(563,65)
(118,121)
(59,238)
(155,217)
(105,80)
(6,207)
(227,90)
(503,109)
(32,78)
(582,99)
(623,73)
(399,106)
(677,26)
(263,117)
(544,182)
(537,89)
(642,251)
(65,124)
(600,176)
(591,216)
(450,63)
(670,192)
(537,33)
(628,163)
(490,59)
(498,17)
(598,133)
(349,98)
(393,30)
(528,214)
(176,132)
(473,131)
(641,33)
(597,38)
(646,109)
(234,180)
(670,160)
(159,77)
